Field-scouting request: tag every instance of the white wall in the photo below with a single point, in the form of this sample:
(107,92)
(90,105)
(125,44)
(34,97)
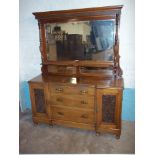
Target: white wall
(29,36)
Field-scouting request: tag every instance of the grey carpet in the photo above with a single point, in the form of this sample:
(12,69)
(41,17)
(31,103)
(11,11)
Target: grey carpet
(43,139)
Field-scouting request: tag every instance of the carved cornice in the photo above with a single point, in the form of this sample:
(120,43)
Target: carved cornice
(104,11)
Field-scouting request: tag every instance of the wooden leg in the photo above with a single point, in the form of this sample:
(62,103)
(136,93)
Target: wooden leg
(117,136)
(51,125)
(35,123)
(97,133)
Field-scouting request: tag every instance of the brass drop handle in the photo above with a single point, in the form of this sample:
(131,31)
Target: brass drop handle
(82,92)
(84,116)
(60,113)
(84,102)
(59,99)
(59,90)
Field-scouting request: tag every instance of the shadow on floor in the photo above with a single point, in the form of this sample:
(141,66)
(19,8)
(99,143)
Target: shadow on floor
(43,139)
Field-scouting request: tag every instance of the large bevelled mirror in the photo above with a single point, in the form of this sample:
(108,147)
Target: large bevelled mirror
(80,40)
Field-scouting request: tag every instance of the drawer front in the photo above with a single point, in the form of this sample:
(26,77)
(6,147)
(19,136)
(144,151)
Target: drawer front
(74,115)
(73,101)
(78,90)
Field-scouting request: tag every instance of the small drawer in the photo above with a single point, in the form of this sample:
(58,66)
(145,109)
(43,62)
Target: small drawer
(75,90)
(73,101)
(71,114)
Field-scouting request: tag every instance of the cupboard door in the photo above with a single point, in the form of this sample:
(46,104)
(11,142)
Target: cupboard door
(109,103)
(38,99)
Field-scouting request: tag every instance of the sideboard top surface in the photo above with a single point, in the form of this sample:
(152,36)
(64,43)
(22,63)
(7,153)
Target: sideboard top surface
(99,83)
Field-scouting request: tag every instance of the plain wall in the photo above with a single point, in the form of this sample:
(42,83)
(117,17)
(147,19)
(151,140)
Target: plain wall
(30,57)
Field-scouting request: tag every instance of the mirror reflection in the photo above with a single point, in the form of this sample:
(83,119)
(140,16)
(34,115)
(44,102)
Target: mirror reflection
(82,40)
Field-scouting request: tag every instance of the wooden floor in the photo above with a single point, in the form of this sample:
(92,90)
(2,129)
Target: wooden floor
(43,139)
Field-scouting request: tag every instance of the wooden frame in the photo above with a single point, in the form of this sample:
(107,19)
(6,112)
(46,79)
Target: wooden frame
(37,116)
(98,13)
(116,125)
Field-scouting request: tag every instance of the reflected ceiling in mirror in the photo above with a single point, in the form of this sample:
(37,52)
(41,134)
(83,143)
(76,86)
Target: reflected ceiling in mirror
(82,40)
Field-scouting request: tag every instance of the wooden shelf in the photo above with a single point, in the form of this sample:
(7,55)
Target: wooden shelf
(86,63)
(99,64)
(61,63)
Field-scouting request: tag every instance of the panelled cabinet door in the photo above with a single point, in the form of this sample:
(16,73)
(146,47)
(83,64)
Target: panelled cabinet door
(109,102)
(39,99)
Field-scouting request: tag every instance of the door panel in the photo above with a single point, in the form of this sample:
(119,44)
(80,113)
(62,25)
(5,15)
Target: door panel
(109,108)
(39,99)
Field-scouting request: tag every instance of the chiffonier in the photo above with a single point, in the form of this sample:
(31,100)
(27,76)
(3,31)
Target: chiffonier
(81,83)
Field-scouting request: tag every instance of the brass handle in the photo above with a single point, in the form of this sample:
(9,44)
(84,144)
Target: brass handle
(59,99)
(84,116)
(59,90)
(84,102)
(60,113)
(82,92)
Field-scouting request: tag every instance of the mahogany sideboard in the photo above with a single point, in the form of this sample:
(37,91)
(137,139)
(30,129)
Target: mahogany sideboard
(86,92)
